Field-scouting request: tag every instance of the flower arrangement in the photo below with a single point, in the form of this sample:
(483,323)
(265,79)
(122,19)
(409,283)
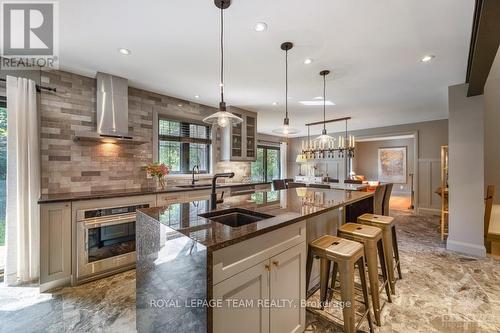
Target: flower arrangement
(158,171)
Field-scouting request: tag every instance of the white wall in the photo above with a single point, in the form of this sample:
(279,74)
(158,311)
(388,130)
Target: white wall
(466,173)
(491,126)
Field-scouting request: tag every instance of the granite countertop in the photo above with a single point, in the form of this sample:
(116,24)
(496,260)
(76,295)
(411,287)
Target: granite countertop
(77,196)
(286,207)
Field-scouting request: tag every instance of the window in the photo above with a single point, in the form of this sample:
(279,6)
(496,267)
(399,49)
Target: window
(267,166)
(183,145)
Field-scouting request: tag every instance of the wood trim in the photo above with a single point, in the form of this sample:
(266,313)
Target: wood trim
(484,44)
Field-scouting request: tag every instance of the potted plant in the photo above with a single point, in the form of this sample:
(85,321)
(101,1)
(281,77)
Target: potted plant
(158,171)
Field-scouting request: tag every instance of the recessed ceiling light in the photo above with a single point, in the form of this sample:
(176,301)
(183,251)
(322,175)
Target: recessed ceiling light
(427,58)
(308,61)
(196,96)
(179,105)
(260,26)
(315,103)
(275,103)
(124,51)
(318,97)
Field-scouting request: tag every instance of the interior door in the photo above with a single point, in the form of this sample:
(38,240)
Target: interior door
(288,284)
(237,293)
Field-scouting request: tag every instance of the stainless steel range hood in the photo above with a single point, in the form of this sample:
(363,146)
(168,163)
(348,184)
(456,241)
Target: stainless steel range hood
(112,111)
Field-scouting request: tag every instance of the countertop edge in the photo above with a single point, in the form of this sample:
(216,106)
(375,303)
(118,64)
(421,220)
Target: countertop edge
(139,192)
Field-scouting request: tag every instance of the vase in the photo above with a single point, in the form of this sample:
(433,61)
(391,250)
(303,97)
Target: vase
(160,183)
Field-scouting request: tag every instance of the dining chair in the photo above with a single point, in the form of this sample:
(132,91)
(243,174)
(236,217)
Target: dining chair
(378,200)
(387,197)
(490,194)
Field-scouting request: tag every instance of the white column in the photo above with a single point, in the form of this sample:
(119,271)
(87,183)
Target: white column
(466,173)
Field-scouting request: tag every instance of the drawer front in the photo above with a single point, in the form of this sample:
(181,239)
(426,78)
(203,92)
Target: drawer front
(236,258)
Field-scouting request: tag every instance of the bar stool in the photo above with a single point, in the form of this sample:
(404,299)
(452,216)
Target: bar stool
(386,223)
(345,254)
(371,237)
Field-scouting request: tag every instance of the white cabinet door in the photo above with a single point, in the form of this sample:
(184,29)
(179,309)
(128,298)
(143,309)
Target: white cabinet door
(288,285)
(250,285)
(55,242)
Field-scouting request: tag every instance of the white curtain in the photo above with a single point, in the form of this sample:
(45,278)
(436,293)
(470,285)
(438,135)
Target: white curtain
(23,183)
(284,159)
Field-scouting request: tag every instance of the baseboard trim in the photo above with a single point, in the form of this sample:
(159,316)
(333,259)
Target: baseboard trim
(429,211)
(66,282)
(466,248)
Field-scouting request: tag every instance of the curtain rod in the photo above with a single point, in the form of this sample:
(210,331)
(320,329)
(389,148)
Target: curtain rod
(38,87)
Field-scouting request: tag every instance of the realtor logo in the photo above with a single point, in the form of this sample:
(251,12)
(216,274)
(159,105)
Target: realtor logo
(29,35)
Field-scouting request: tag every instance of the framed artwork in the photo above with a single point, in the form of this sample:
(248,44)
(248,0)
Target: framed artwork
(392,166)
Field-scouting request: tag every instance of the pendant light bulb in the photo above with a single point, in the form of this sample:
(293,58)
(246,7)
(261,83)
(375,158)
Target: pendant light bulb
(222,121)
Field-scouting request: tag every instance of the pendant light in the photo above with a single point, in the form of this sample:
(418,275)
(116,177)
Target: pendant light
(324,137)
(285,129)
(222,118)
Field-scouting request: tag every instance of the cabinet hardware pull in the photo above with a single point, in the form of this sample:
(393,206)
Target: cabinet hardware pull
(276,263)
(268,268)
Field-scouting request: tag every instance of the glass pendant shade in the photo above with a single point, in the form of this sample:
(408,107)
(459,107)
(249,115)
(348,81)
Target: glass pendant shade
(324,137)
(286,129)
(222,119)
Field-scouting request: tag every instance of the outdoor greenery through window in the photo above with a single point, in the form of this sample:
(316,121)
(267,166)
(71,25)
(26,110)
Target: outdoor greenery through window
(267,165)
(183,145)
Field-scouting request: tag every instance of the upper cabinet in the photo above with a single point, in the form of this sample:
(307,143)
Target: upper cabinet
(239,142)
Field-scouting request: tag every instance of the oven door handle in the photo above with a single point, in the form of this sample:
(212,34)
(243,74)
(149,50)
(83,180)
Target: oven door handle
(96,224)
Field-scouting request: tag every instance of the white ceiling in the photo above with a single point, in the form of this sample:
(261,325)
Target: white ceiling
(373,49)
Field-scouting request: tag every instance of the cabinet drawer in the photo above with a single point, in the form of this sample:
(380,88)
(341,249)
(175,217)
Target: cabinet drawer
(233,259)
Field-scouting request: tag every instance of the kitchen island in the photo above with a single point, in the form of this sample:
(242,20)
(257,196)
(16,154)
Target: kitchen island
(189,267)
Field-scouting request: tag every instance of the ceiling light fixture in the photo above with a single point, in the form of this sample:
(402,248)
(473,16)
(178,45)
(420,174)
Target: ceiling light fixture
(222,118)
(285,129)
(275,103)
(318,97)
(324,138)
(260,27)
(427,58)
(124,51)
(308,61)
(196,96)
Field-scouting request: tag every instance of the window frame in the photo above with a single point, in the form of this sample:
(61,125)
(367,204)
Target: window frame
(264,160)
(185,141)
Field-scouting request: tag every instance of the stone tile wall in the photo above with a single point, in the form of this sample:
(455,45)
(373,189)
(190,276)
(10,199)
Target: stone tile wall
(69,166)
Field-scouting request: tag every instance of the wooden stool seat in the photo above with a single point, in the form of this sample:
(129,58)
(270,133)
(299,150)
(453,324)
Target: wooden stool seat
(371,237)
(345,255)
(386,224)
(333,248)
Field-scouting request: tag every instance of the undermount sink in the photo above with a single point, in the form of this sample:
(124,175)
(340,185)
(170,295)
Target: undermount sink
(194,186)
(235,217)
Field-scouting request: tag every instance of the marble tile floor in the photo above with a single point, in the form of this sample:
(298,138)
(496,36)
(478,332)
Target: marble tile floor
(441,291)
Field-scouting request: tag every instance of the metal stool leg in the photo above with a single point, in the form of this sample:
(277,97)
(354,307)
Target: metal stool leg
(346,271)
(362,276)
(381,257)
(334,279)
(324,274)
(309,263)
(396,251)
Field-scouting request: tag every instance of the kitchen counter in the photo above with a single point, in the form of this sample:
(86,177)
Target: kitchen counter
(341,186)
(286,207)
(184,261)
(77,196)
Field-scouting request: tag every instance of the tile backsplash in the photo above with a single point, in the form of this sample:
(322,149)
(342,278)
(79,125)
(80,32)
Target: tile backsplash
(69,166)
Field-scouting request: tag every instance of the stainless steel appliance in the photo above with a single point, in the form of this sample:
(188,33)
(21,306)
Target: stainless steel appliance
(105,241)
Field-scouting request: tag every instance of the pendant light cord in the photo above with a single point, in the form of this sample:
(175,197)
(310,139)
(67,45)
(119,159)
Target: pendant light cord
(324,102)
(286,84)
(222,54)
